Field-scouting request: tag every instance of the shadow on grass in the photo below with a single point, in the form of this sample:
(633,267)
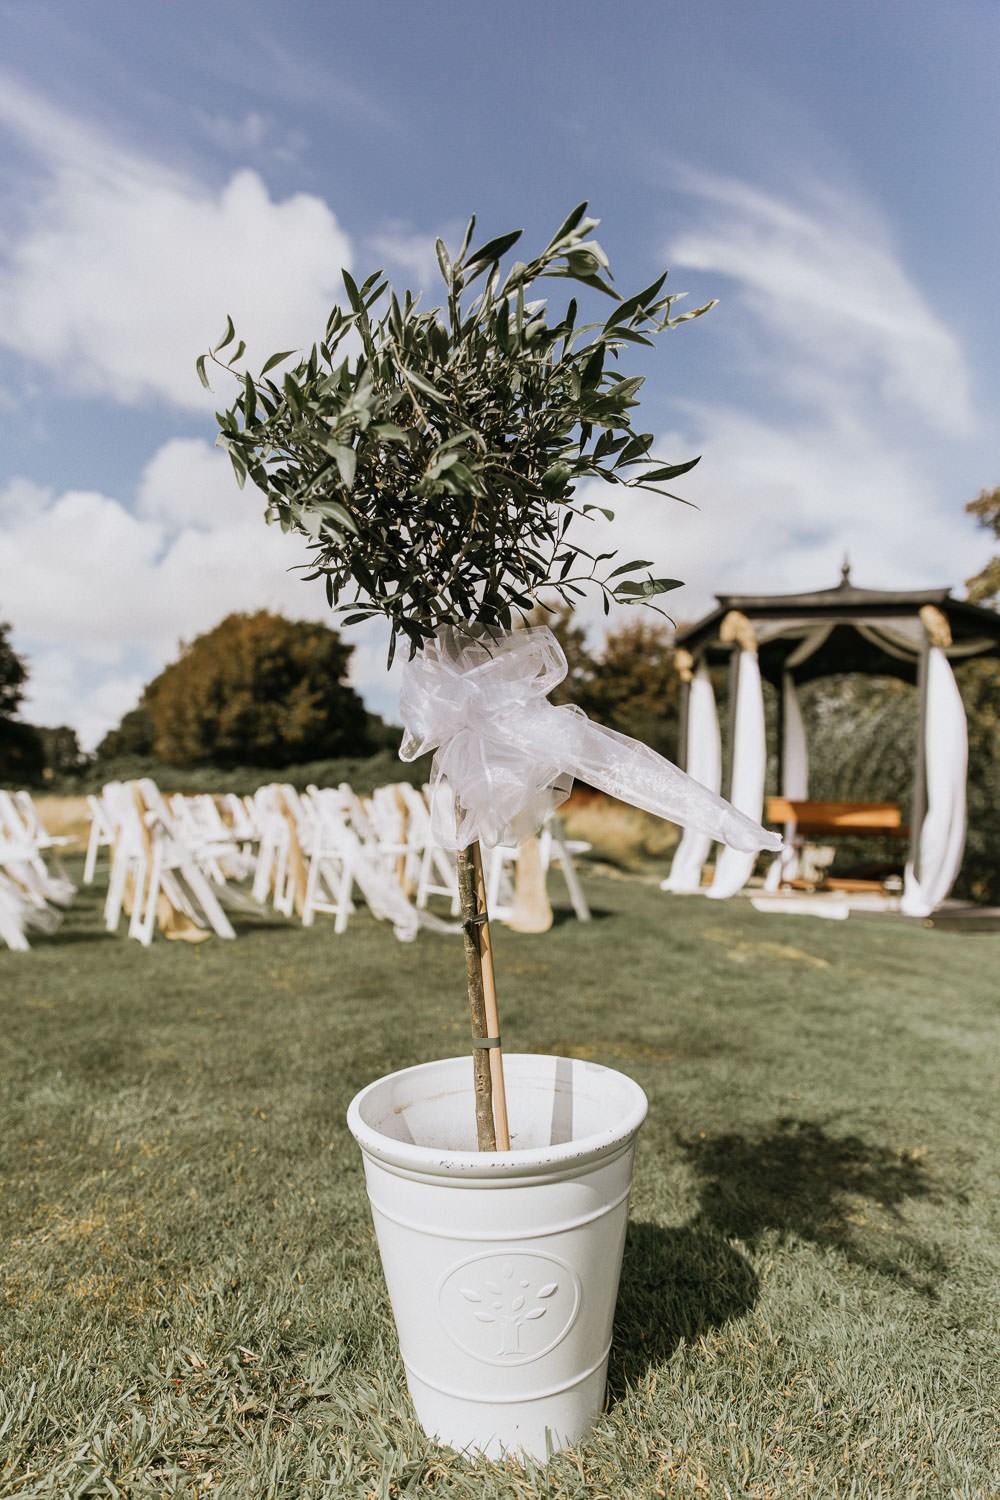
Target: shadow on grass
(792,1179)
(73,933)
(676,1284)
(563,914)
(65,937)
(839,1192)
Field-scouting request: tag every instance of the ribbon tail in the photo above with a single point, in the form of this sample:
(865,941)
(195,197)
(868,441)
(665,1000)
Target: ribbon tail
(627,769)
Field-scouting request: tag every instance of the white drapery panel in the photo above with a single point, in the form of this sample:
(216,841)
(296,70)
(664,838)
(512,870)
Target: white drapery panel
(942,832)
(794,751)
(794,780)
(703,761)
(749,762)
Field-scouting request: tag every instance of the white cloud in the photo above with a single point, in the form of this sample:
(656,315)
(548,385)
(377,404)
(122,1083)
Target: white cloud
(98,592)
(189,484)
(123,271)
(824,280)
(780,506)
(413,253)
(63,689)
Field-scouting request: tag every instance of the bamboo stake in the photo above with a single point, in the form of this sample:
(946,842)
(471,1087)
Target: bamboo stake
(490,1003)
(483,1012)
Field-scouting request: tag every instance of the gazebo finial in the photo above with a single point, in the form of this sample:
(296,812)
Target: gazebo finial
(845,572)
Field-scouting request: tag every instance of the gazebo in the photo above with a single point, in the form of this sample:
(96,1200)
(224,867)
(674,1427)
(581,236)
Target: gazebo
(789,639)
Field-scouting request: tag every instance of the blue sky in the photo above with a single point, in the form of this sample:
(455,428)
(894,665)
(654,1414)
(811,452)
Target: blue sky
(829,173)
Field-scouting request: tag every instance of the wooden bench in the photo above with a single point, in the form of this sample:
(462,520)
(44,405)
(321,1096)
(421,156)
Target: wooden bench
(823,819)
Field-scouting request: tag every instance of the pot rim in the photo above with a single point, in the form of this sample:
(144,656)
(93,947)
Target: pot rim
(498,1166)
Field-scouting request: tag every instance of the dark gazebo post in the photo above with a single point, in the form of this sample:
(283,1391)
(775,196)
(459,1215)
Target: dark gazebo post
(780,769)
(684,665)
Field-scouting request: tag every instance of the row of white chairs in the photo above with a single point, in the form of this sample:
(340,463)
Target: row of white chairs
(178,862)
(34,885)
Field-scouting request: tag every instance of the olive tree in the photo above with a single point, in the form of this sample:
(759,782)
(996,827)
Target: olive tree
(432,456)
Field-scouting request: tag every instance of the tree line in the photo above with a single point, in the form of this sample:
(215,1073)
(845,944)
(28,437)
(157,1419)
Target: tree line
(260,690)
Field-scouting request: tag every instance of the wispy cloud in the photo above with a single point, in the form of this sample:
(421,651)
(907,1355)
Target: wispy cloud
(841,365)
(821,278)
(403,249)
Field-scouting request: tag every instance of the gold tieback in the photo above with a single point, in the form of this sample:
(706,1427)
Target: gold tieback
(737,630)
(936,625)
(684,665)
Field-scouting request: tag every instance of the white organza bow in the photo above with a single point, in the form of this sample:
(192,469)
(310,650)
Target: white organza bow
(506,756)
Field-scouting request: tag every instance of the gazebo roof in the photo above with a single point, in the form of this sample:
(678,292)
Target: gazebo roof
(845,629)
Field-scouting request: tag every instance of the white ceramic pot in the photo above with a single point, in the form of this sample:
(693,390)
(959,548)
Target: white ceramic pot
(502,1268)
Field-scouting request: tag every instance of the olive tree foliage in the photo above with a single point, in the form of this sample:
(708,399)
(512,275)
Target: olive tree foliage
(256,690)
(431,457)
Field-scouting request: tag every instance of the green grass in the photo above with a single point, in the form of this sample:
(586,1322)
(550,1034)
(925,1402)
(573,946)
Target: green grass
(191,1298)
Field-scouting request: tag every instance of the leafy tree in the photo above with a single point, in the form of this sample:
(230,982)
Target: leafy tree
(256,690)
(133,737)
(633,686)
(862,734)
(21,754)
(984,587)
(979,682)
(572,637)
(61,750)
(13,675)
(862,742)
(629,683)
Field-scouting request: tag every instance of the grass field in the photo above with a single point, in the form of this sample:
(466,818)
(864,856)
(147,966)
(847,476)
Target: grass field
(191,1298)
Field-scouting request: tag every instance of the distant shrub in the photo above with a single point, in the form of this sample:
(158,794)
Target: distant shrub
(362,773)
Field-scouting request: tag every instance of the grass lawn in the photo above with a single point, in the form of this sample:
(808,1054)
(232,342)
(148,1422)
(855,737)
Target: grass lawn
(190,1297)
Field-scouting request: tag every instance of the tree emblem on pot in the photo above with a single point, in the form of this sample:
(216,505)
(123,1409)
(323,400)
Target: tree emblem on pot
(506,1303)
(509,1306)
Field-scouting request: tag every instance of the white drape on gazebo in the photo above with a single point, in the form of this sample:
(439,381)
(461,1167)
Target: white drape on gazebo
(749,763)
(946,753)
(703,761)
(794,780)
(794,752)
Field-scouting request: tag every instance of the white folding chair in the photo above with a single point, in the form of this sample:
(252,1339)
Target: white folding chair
(24,861)
(180,869)
(150,852)
(102,836)
(19,911)
(332,852)
(501,868)
(437,874)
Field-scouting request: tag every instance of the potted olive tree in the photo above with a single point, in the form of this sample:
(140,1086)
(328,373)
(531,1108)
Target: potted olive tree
(432,458)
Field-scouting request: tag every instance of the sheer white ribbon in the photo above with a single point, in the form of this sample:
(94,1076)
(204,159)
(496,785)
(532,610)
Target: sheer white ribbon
(508,755)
